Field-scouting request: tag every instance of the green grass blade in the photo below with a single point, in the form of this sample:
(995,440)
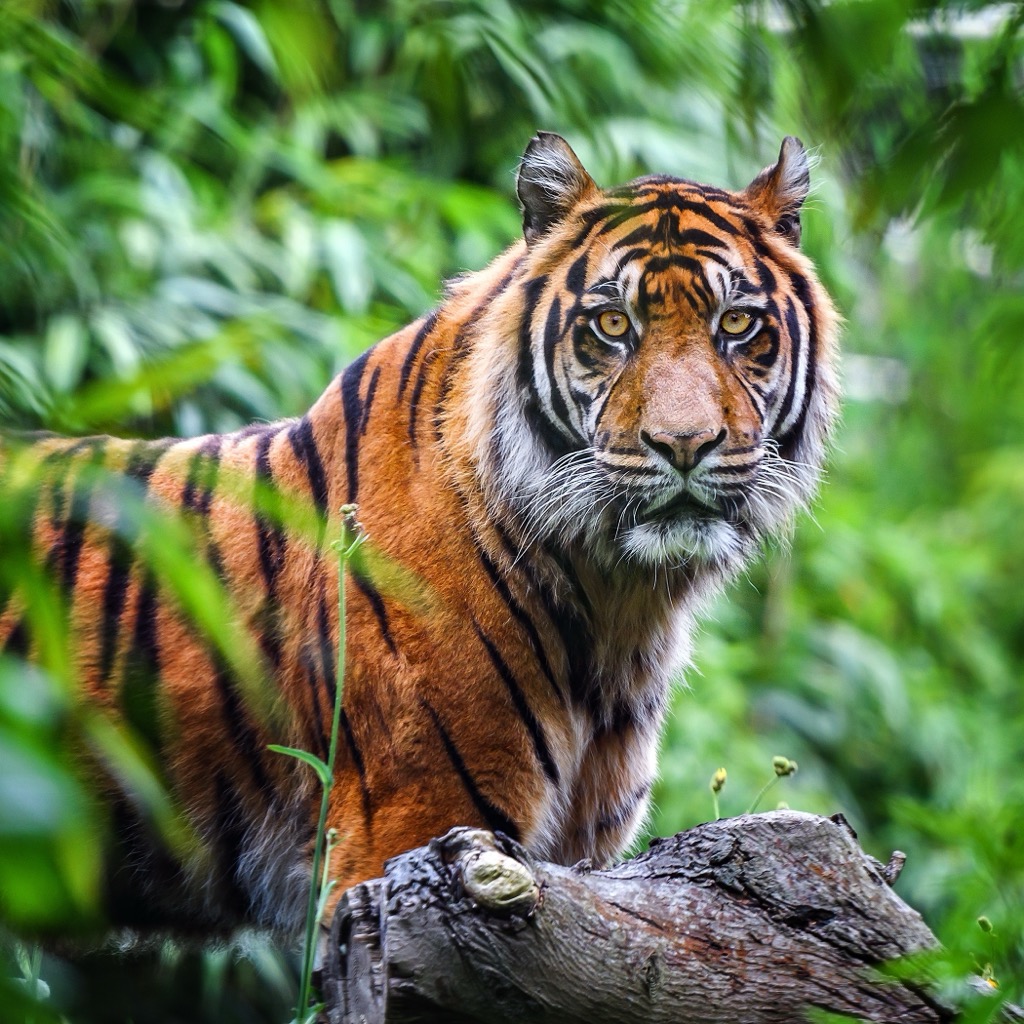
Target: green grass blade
(322,771)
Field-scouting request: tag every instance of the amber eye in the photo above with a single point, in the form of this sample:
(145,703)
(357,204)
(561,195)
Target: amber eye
(736,322)
(613,323)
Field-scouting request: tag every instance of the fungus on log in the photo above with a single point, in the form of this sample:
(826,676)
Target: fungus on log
(754,919)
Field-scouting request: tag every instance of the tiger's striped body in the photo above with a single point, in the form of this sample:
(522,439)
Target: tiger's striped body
(565,499)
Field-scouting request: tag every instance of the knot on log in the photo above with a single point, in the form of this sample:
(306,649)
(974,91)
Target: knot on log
(499,882)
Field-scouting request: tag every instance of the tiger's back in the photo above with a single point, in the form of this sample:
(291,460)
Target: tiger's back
(554,468)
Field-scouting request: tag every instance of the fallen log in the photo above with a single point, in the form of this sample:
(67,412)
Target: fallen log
(749,920)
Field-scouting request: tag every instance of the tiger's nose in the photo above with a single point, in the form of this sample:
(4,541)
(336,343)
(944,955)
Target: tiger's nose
(683,450)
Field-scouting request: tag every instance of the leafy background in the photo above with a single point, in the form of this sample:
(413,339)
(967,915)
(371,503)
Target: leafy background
(208,208)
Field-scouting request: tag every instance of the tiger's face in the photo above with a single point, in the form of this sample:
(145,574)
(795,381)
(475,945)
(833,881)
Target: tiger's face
(675,360)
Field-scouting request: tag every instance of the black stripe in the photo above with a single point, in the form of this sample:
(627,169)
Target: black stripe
(586,356)
(271,540)
(352,411)
(371,393)
(615,718)
(532,290)
(325,647)
(671,201)
(521,562)
(576,277)
(700,282)
(553,610)
(701,240)
(574,631)
(303,444)
(605,398)
(266,625)
(410,357)
(357,760)
(793,328)
(754,394)
(57,463)
(737,469)
(615,819)
(642,237)
(17,640)
(768,357)
(715,257)
(535,417)
(765,277)
(65,553)
(142,881)
(328,671)
(271,546)
(792,438)
(753,228)
(460,348)
(202,476)
(552,336)
(524,620)
(569,622)
(522,706)
(668,231)
(140,681)
(591,218)
(244,736)
(377,604)
(143,459)
(313,681)
(494,817)
(701,209)
(231,830)
(414,398)
(568,570)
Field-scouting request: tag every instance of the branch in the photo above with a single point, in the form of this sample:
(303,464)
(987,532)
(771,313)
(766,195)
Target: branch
(754,919)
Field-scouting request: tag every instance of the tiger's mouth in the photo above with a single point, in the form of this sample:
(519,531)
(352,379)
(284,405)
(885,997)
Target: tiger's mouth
(683,506)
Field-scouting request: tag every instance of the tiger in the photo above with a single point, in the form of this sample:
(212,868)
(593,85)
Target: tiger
(568,457)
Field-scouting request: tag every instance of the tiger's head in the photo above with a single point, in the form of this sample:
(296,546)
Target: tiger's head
(672,354)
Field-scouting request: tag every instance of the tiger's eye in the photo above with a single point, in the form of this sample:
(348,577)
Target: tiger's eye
(613,323)
(735,321)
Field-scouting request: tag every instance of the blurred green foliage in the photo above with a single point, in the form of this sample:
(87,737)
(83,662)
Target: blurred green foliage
(207,208)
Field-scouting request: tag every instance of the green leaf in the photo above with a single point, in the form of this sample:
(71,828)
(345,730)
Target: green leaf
(304,755)
(248,32)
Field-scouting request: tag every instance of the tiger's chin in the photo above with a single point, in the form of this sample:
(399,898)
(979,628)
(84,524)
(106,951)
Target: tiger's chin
(706,541)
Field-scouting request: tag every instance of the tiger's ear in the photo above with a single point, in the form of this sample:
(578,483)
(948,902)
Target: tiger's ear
(780,190)
(550,183)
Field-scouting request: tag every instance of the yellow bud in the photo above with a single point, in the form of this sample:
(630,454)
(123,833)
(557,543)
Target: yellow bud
(783,766)
(718,781)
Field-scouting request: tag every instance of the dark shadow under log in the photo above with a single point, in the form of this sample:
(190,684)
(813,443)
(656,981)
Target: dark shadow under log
(745,920)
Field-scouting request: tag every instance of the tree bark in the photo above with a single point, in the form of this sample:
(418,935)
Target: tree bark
(749,920)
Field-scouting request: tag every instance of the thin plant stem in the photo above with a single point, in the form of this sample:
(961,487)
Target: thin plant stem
(345,548)
(764,789)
